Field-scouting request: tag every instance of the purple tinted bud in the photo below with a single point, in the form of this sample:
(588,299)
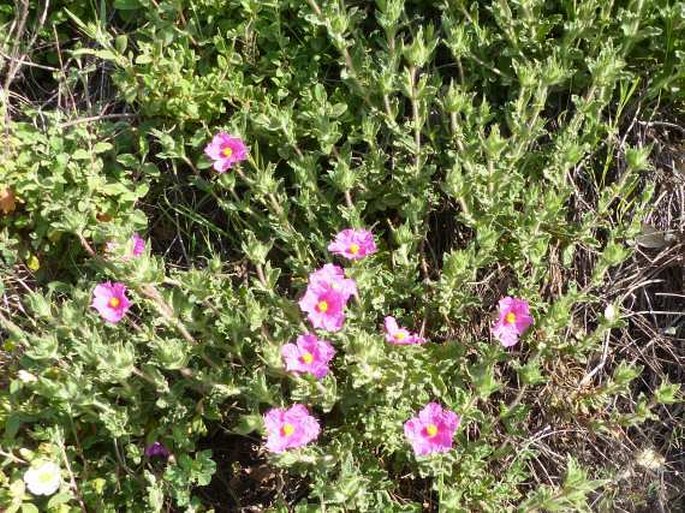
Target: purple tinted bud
(157,450)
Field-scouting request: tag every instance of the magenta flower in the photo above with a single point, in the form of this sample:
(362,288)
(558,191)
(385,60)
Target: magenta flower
(401,336)
(326,297)
(110,300)
(324,307)
(309,355)
(289,428)
(225,150)
(513,319)
(354,244)
(137,245)
(432,430)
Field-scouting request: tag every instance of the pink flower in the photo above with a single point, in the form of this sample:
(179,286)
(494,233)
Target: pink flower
(324,306)
(289,428)
(432,430)
(353,244)
(309,355)
(137,245)
(110,300)
(401,336)
(326,297)
(225,150)
(513,319)
(333,276)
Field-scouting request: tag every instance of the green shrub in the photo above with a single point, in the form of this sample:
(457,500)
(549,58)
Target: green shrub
(480,145)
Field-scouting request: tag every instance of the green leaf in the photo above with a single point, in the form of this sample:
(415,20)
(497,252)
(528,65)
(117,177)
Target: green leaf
(17,489)
(171,354)
(155,492)
(127,5)
(102,147)
(42,347)
(667,393)
(203,468)
(484,381)
(248,424)
(531,373)
(255,250)
(60,498)
(120,43)
(143,58)
(81,154)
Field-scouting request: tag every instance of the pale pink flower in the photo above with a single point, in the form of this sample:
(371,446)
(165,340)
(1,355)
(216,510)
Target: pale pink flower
(111,247)
(432,430)
(225,150)
(401,336)
(134,248)
(353,244)
(110,300)
(512,321)
(289,428)
(309,355)
(324,306)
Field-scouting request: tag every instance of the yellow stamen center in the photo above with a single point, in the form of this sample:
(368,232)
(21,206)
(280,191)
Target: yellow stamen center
(431,430)
(400,335)
(227,152)
(114,302)
(354,249)
(322,306)
(287,429)
(510,318)
(46,477)
(307,357)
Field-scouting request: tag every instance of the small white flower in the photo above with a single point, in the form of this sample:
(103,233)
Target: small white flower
(650,459)
(610,313)
(43,479)
(26,377)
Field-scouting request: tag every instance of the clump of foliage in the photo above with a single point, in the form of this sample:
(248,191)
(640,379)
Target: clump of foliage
(478,143)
